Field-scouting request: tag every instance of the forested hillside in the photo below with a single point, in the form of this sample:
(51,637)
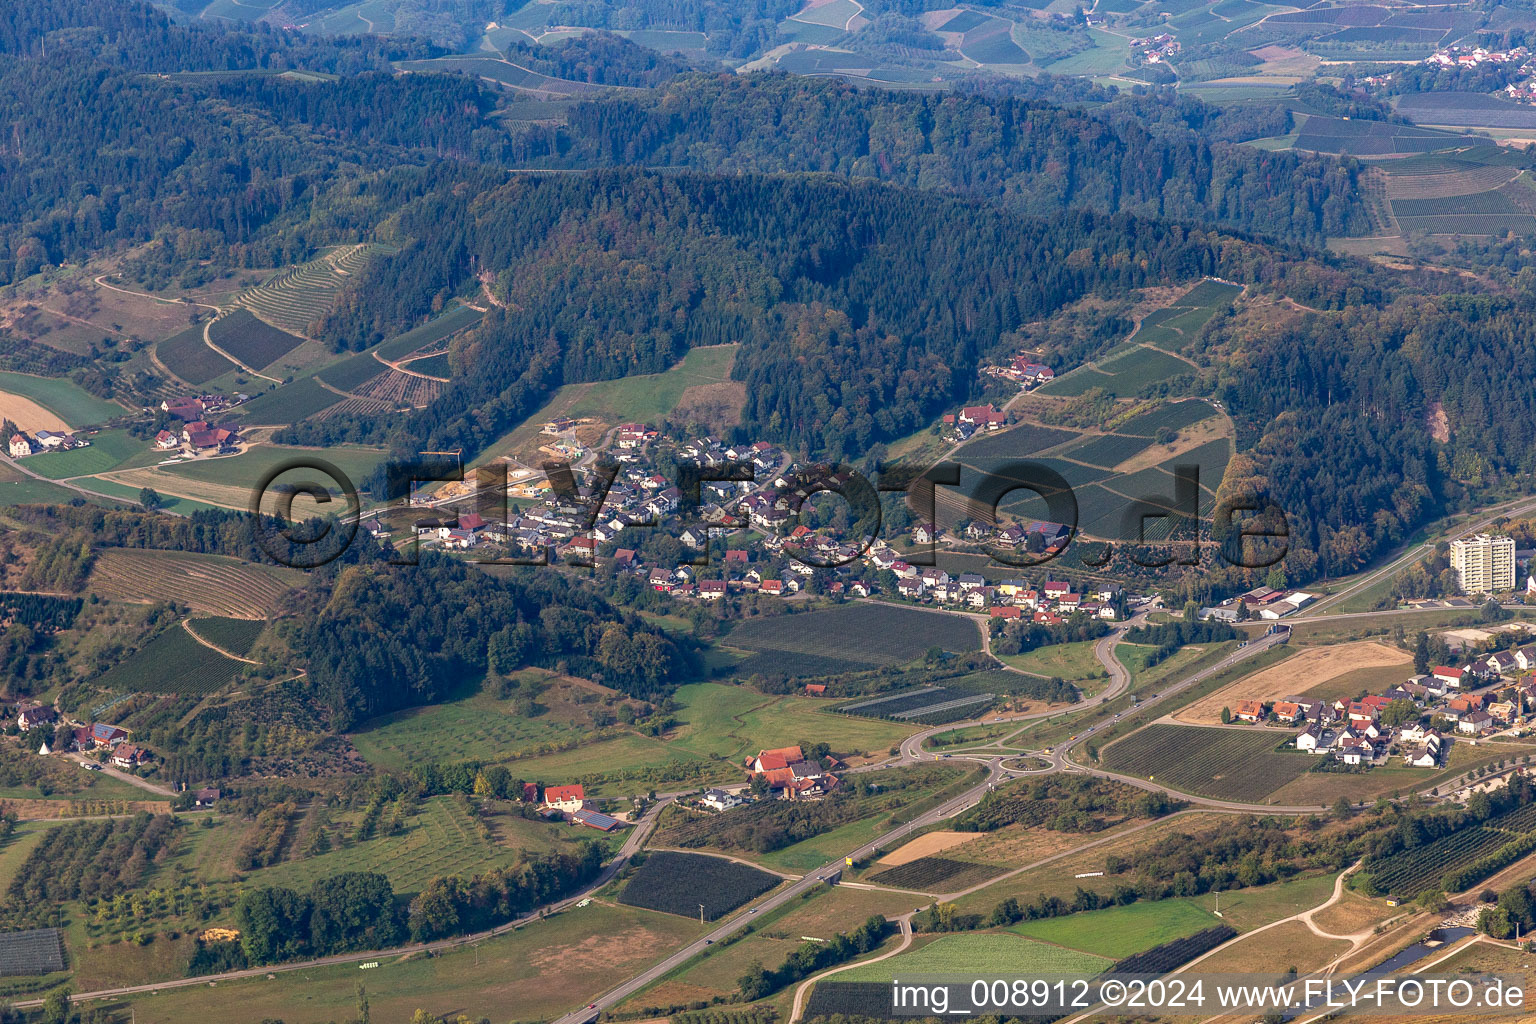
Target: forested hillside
(1030,156)
(861,309)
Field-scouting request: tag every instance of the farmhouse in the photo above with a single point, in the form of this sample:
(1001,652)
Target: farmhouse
(20,446)
(789,775)
(128,756)
(565,799)
(30,716)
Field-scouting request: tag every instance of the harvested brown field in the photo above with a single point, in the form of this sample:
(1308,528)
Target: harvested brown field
(1299,673)
(927,846)
(27,414)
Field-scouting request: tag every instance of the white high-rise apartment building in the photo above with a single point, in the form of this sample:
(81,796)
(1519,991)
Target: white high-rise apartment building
(1484,564)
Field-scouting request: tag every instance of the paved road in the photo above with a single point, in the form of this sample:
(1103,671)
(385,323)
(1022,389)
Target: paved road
(1413,553)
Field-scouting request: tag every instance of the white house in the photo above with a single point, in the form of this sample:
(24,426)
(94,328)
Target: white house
(720,800)
(20,447)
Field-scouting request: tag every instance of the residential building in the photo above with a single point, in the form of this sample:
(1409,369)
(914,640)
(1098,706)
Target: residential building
(566,799)
(1484,564)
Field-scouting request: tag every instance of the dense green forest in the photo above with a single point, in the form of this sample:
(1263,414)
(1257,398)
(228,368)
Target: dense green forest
(1159,156)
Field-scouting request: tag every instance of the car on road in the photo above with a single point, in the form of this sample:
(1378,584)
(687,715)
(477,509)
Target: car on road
(90,766)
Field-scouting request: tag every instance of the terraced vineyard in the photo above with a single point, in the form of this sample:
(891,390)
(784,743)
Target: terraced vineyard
(1228,764)
(205,583)
(296,296)
(395,389)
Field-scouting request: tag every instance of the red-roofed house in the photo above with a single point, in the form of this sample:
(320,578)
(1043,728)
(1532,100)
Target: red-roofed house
(1248,710)
(1450,676)
(771,760)
(816,689)
(567,799)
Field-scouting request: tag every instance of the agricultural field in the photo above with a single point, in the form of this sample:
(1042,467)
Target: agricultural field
(864,634)
(678,883)
(1493,212)
(930,705)
(732,722)
(927,845)
(1173,416)
(16,488)
(288,403)
(544,969)
(1176,952)
(352,372)
(433,366)
(833,13)
(1465,110)
(1107,450)
(1228,764)
(653,396)
(130,495)
(292,298)
(1123,373)
(233,636)
(476,727)
(1015,442)
(935,875)
(433,333)
(1372,138)
(980,952)
(228,480)
(188,356)
(108,449)
(991,42)
(173,662)
(253,342)
(1118,932)
(75,406)
(1300,674)
(505,72)
(209,584)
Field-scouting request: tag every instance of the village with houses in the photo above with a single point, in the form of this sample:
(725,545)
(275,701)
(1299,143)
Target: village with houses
(754,538)
(1415,720)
